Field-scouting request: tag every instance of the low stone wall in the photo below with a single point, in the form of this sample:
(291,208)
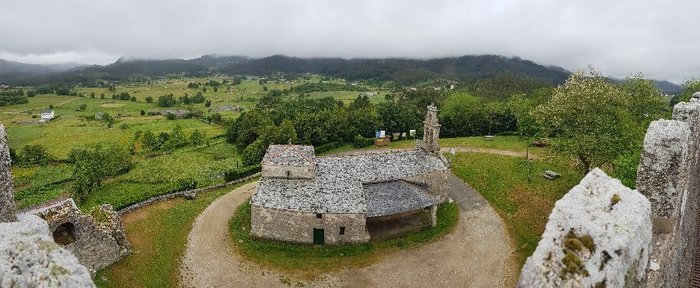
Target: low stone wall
(598,235)
(186,194)
(298,227)
(30,258)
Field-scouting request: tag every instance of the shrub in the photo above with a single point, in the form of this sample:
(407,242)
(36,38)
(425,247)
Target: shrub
(167,100)
(185,184)
(13,156)
(242,172)
(35,154)
(360,142)
(327,147)
(149,99)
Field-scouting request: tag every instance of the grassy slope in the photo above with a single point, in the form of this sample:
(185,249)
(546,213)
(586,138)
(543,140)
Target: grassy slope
(524,206)
(158,235)
(308,261)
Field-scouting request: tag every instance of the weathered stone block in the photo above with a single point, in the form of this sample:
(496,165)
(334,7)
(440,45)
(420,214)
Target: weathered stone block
(7,200)
(598,233)
(30,258)
(663,168)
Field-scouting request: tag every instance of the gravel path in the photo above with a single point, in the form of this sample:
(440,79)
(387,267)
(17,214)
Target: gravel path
(477,254)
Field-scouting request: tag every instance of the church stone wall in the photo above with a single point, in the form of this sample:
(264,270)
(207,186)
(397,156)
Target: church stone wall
(285,171)
(294,226)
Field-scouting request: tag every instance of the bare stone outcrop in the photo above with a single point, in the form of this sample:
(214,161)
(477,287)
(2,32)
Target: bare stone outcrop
(7,200)
(30,258)
(599,233)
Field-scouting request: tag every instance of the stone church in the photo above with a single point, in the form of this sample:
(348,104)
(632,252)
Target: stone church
(343,199)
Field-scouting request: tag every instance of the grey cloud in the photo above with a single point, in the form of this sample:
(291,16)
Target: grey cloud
(620,38)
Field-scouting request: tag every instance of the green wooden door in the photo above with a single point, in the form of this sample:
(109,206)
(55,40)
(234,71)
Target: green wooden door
(319,238)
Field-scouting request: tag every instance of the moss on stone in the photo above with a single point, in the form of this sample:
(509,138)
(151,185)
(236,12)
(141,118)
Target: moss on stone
(573,265)
(615,199)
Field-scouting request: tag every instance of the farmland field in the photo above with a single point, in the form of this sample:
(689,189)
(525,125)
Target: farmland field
(77,124)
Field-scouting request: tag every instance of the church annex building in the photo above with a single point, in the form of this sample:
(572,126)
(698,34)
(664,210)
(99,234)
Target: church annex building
(332,200)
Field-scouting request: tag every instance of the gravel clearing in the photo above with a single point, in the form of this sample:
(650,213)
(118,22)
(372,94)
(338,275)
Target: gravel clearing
(477,254)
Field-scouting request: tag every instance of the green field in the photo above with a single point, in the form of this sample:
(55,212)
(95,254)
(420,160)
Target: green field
(153,173)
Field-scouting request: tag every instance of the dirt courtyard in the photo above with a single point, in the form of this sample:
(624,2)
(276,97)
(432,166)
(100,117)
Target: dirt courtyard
(477,254)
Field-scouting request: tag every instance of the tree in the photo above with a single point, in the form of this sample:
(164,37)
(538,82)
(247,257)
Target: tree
(207,104)
(108,119)
(149,99)
(197,138)
(590,118)
(35,154)
(176,139)
(198,98)
(92,165)
(149,140)
(167,100)
(689,88)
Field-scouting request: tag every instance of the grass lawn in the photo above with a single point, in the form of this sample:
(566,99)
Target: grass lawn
(524,206)
(158,235)
(512,143)
(309,261)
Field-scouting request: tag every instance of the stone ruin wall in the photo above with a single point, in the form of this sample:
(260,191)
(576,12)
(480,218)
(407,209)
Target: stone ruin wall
(667,177)
(295,226)
(98,237)
(7,200)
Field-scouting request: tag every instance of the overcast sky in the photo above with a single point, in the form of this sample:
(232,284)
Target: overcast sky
(620,38)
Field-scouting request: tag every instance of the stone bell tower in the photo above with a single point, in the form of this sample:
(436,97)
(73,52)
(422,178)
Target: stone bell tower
(7,200)
(431,131)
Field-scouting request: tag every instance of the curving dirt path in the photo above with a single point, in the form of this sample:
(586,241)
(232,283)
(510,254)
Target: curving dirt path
(477,254)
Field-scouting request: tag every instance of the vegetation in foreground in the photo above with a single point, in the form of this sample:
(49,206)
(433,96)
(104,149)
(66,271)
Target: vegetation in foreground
(158,235)
(523,205)
(308,261)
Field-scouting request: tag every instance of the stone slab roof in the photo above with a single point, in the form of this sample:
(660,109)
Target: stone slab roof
(337,187)
(292,155)
(393,197)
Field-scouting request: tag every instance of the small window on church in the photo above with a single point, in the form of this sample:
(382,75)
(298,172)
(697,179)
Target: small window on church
(342,230)
(319,215)
(289,174)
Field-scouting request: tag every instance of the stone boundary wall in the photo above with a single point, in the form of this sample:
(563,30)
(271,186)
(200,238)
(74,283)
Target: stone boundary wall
(185,194)
(667,177)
